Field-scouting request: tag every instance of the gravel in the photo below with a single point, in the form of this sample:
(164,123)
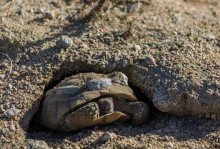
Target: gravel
(180,37)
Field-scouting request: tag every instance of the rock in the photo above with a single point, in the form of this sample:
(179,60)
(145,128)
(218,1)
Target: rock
(10,86)
(107,137)
(35,144)
(12,112)
(209,37)
(149,61)
(6,131)
(133,7)
(49,15)
(169,145)
(137,47)
(69,2)
(2,76)
(64,42)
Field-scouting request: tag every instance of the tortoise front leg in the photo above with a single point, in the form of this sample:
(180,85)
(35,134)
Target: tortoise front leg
(106,105)
(89,115)
(138,110)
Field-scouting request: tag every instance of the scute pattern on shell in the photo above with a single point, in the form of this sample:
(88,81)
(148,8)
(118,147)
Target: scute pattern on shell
(88,99)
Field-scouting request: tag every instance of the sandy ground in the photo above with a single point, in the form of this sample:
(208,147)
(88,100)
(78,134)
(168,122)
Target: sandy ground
(28,35)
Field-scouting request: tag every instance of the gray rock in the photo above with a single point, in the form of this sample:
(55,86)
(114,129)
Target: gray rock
(64,42)
(209,37)
(107,137)
(69,2)
(12,112)
(133,7)
(6,131)
(149,60)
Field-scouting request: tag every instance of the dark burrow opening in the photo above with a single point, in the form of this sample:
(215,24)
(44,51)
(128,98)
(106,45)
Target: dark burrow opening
(36,131)
(159,123)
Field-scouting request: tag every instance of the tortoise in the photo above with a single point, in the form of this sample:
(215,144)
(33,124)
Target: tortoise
(89,99)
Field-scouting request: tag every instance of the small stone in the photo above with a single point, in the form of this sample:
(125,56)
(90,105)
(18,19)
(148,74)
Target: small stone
(5,131)
(75,146)
(209,37)
(10,86)
(35,144)
(106,137)
(149,60)
(64,42)
(21,11)
(12,127)
(137,47)
(49,15)
(69,2)
(7,105)
(133,7)
(169,145)
(2,108)
(12,112)
(2,76)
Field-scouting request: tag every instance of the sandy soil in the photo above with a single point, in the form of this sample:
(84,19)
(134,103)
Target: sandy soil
(30,60)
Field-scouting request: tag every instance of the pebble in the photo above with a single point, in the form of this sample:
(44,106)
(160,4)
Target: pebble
(2,76)
(35,144)
(12,112)
(169,145)
(49,15)
(6,131)
(149,60)
(10,86)
(69,2)
(137,47)
(64,42)
(209,37)
(106,137)
(7,104)
(163,34)
(133,7)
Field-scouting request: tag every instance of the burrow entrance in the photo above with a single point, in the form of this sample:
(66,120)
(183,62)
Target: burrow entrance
(35,128)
